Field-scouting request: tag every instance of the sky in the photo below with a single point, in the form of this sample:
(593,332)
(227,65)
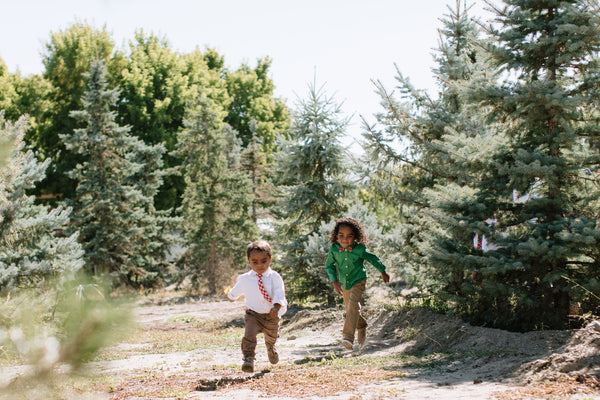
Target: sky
(341,45)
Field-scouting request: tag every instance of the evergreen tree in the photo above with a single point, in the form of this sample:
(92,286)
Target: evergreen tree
(409,150)
(33,247)
(157,230)
(547,244)
(315,188)
(254,163)
(518,178)
(121,233)
(67,58)
(217,199)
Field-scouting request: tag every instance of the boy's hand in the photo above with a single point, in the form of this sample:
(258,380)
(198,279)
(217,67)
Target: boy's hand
(275,310)
(337,286)
(385,277)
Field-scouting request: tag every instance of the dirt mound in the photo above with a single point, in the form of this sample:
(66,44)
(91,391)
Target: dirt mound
(579,357)
(313,320)
(424,331)
(494,353)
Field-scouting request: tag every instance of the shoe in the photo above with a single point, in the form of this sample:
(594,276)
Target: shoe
(361,336)
(347,344)
(248,365)
(273,355)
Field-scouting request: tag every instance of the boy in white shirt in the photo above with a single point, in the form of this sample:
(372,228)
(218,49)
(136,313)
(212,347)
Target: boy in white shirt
(265,300)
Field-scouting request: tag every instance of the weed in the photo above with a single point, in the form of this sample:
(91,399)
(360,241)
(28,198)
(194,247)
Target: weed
(409,333)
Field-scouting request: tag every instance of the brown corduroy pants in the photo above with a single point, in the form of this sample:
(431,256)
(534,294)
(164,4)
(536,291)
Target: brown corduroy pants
(353,298)
(256,323)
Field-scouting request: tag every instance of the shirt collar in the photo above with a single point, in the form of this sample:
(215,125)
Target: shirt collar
(339,246)
(267,272)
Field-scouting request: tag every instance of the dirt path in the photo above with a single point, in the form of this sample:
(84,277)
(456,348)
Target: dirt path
(427,356)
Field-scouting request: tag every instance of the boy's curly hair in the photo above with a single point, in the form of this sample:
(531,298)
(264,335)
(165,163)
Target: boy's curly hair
(359,232)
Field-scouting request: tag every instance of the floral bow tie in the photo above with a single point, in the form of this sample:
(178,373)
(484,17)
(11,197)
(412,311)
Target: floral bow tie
(349,249)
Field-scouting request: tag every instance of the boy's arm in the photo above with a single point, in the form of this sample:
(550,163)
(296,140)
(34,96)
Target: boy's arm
(235,292)
(278,291)
(330,266)
(376,262)
(332,272)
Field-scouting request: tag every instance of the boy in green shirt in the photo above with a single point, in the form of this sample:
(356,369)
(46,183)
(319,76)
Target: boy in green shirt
(346,270)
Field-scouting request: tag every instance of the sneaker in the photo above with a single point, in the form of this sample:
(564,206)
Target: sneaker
(248,365)
(273,355)
(362,337)
(347,344)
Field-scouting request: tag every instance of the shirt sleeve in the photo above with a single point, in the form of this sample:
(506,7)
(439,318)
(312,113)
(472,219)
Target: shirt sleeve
(236,291)
(330,266)
(279,292)
(373,260)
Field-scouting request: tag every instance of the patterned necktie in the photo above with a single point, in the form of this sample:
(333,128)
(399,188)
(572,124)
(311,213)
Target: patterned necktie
(262,289)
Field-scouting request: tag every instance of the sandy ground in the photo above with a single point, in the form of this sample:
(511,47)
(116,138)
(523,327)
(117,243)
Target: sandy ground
(492,361)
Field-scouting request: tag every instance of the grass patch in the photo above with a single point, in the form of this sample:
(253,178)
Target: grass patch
(325,377)
(178,335)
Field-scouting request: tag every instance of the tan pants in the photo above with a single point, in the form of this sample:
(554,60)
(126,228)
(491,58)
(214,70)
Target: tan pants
(353,298)
(256,323)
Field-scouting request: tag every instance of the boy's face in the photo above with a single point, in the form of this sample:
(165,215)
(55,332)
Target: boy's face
(259,261)
(345,236)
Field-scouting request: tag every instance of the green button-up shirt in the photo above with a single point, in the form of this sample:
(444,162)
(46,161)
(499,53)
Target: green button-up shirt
(350,264)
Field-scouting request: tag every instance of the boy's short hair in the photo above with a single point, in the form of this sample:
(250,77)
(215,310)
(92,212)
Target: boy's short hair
(259,245)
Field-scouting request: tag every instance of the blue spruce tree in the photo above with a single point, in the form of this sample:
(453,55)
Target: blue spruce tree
(123,236)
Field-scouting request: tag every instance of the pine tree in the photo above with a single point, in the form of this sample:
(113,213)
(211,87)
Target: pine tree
(66,57)
(33,247)
(313,179)
(254,163)
(522,177)
(157,230)
(411,151)
(121,233)
(217,199)
(548,243)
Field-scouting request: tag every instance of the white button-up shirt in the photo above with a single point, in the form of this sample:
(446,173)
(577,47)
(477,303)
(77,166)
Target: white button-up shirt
(247,285)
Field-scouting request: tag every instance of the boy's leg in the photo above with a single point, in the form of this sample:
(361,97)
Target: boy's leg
(249,340)
(361,324)
(354,320)
(271,333)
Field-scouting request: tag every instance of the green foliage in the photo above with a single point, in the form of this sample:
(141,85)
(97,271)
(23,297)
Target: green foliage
(217,199)
(67,57)
(406,155)
(33,246)
(121,233)
(487,139)
(51,328)
(46,318)
(254,163)
(7,91)
(251,92)
(154,93)
(314,185)
(549,236)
